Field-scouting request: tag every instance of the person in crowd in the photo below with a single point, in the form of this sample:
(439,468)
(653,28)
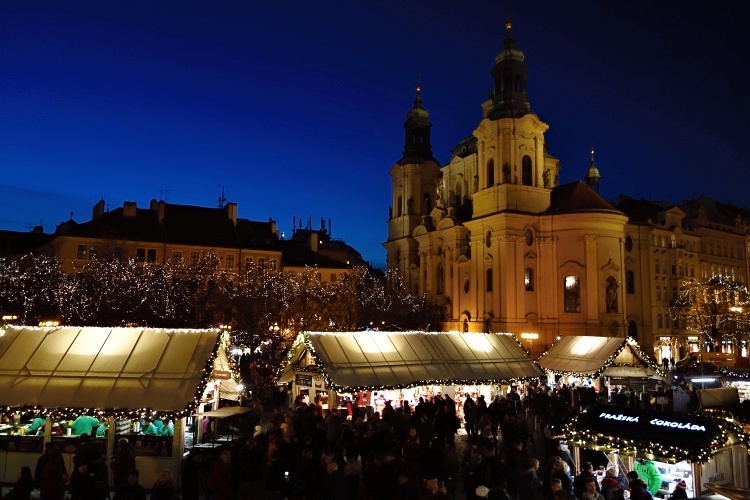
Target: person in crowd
(561,472)
(37,426)
(164,487)
(680,490)
(432,488)
(220,477)
(637,487)
(85,424)
(82,482)
(149,428)
(612,487)
(555,491)
(648,472)
(23,487)
(121,464)
(50,474)
(191,472)
(168,429)
(590,490)
(133,490)
(579,482)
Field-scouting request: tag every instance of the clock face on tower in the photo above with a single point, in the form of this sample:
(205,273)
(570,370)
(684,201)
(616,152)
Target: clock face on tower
(529,237)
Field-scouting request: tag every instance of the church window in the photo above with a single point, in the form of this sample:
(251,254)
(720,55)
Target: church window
(629,282)
(528,279)
(400,208)
(440,278)
(658,293)
(488,238)
(572,294)
(628,244)
(526,170)
(489,280)
(659,321)
(490,173)
(427,203)
(459,193)
(467,285)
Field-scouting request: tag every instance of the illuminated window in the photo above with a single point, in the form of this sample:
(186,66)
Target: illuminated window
(230,261)
(572,294)
(176,257)
(528,279)
(82,252)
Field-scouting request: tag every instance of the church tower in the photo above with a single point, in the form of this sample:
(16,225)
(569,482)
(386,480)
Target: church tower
(414,179)
(592,174)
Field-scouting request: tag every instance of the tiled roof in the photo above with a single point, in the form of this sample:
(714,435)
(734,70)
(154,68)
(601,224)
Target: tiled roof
(577,197)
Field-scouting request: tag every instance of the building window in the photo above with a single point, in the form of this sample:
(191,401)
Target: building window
(526,170)
(572,294)
(176,257)
(629,282)
(467,285)
(230,261)
(140,254)
(440,278)
(659,321)
(117,253)
(400,206)
(82,252)
(488,285)
(272,264)
(333,278)
(658,266)
(262,263)
(426,203)
(151,255)
(528,279)
(658,293)
(194,256)
(93,251)
(490,173)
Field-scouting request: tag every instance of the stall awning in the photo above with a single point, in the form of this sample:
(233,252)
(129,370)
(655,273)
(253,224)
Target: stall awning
(103,368)
(374,359)
(591,356)
(669,436)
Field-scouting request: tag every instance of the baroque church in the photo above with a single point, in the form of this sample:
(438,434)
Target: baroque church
(495,239)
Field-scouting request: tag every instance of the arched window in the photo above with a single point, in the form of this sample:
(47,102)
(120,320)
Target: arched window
(528,279)
(632,330)
(572,294)
(488,285)
(488,325)
(526,170)
(490,173)
(426,203)
(400,206)
(629,282)
(466,326)
(440,278)
(459,193)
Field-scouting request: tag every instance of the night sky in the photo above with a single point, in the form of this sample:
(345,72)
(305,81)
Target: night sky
(297,107)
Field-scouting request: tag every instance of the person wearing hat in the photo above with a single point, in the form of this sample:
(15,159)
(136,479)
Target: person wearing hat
(637,487)
(680,490)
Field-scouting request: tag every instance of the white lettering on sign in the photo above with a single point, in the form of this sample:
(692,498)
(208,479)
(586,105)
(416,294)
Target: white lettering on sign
(678,425)
(618,416)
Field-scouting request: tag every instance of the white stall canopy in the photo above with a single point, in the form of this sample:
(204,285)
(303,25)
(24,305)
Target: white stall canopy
(590,356)
(104,368)
(375,359)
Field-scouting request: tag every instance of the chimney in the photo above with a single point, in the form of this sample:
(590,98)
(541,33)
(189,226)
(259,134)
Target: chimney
(129,209)
(98,209)
(272,223)
(158,207)
(231,209)
(314,241)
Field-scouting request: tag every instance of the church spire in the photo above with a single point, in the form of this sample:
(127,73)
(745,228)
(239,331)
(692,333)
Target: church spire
(592,174)
(417,146)
(508,95)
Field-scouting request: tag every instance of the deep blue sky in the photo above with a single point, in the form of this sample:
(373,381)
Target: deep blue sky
(297,107)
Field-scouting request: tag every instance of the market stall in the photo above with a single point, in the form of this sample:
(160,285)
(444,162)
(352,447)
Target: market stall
(114,379)
(372,367)
(698,448)
(583,360)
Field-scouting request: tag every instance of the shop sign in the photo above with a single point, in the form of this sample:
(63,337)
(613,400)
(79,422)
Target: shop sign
(303,380)
(221,375)
(718,470)
(655,422)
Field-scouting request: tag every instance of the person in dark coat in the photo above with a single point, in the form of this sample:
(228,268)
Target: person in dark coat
(122,463)
(50,474)
(133,490)
(23,487)
(637,487)
(579,482)
(164,487)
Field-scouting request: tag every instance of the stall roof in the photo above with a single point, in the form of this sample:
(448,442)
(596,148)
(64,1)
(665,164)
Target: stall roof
(103,368)
(374,359)
(590,356)
(669,436)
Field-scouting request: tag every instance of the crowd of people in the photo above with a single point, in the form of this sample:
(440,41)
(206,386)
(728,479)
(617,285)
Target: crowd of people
(308,453)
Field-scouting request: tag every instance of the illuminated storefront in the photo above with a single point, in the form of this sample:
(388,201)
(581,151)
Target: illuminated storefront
(372,367)
(698,449)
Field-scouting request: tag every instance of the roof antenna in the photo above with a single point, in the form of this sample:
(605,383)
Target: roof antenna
(222,199)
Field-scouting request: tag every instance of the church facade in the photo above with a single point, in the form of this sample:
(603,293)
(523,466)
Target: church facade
(495,239)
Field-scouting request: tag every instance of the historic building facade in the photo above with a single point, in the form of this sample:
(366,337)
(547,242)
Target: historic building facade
(503,246)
